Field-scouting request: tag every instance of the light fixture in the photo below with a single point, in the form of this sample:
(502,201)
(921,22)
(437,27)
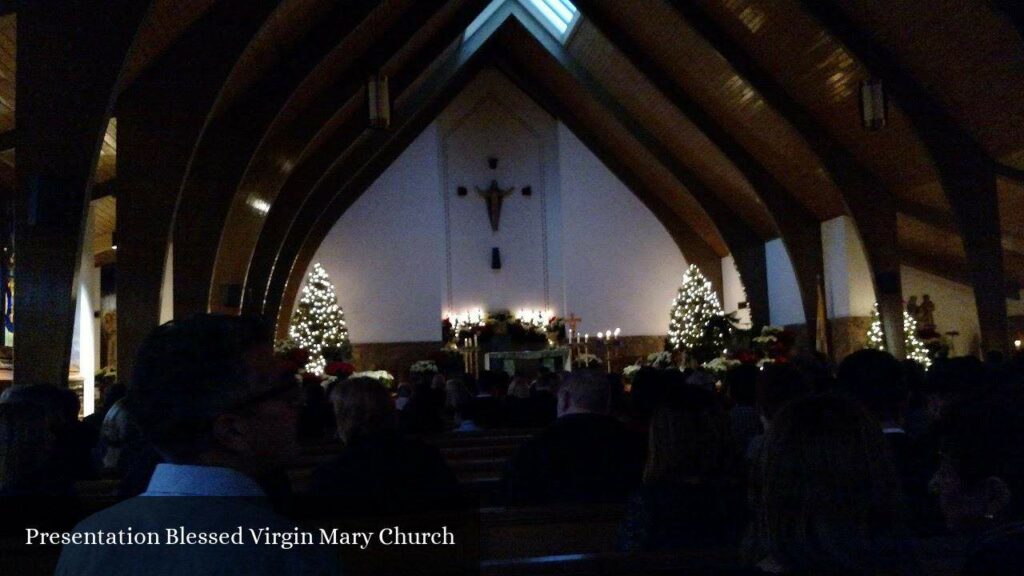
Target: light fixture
(379,98)
(873,104)
(113,240)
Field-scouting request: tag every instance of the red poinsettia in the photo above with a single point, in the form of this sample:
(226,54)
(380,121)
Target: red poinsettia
(746,357)
(339,369)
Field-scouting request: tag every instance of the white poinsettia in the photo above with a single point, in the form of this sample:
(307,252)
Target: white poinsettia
(660,359)
(720,365)
(423,366)
(383,376)
(629,371)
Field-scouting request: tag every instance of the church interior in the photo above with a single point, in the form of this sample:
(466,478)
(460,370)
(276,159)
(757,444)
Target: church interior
(504,193)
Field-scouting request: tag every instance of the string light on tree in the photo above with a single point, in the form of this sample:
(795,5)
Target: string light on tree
(913,345)
(318,324)
(695,322)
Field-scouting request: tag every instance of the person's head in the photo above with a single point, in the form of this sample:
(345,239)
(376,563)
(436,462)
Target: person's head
(208,390)
(691,439)
(828,496)
(437,382)
(647,388)
(457,396)
(953,380)
(875,379)
(980,480)
(778,384)
(741,383)
(26,445)
(362,408)
(404,390)
(59,404)
(519,388)
(584,392)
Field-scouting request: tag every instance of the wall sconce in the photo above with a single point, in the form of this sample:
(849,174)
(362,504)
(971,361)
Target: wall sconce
(379,98)
(874,111)
(113,240)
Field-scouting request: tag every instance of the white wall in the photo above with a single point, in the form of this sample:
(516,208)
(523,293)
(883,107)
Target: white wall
(622,269)
(733,292)
(598,250)
(385,255)
(492,119)
(955,309)
(783,292)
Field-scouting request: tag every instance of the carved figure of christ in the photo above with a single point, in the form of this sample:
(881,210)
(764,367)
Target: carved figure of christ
(494,196)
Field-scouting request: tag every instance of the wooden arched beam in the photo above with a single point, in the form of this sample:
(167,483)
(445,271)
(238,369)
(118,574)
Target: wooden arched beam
(798,226)
(291,196)
(868,201)
(80,45)
(235,135)
(965,169)
(161,117)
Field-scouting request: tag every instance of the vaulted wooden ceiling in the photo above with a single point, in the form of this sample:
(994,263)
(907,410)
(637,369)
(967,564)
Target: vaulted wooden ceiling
(737,121)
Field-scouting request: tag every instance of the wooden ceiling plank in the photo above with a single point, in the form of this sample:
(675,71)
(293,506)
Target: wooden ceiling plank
(965,169)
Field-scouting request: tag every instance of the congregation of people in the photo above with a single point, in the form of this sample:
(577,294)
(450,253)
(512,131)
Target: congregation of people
(801,467)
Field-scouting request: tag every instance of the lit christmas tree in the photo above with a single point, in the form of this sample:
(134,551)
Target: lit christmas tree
(697,324)
(913,345)
(318,324)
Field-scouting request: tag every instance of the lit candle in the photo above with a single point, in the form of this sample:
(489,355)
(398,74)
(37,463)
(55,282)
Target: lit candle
(600,335)
(1016,344)
(617,333)
(586,338)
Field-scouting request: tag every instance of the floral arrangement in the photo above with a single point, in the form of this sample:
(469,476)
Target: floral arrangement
(529,328)
(660,360)
(719,366)
(338,369)
(383,376)
(629,371)
(423,367)
(586,361)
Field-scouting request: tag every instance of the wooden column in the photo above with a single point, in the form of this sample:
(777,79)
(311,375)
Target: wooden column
(160,119)
(70,56)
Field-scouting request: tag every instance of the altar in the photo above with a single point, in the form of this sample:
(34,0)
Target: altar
(528,361)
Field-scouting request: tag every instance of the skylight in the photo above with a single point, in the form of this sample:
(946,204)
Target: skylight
(557,16)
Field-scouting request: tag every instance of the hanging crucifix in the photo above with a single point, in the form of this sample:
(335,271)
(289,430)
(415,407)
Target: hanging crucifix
(494,196)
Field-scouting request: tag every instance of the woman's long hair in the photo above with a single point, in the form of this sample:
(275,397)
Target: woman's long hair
(691,440)
(828,496)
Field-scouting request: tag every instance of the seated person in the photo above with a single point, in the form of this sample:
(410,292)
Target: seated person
(694,494)
(876,379)
(980,482)
(518,409)
(825,495)
(585,456)
(487,408)
(379,472)
(209,395)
